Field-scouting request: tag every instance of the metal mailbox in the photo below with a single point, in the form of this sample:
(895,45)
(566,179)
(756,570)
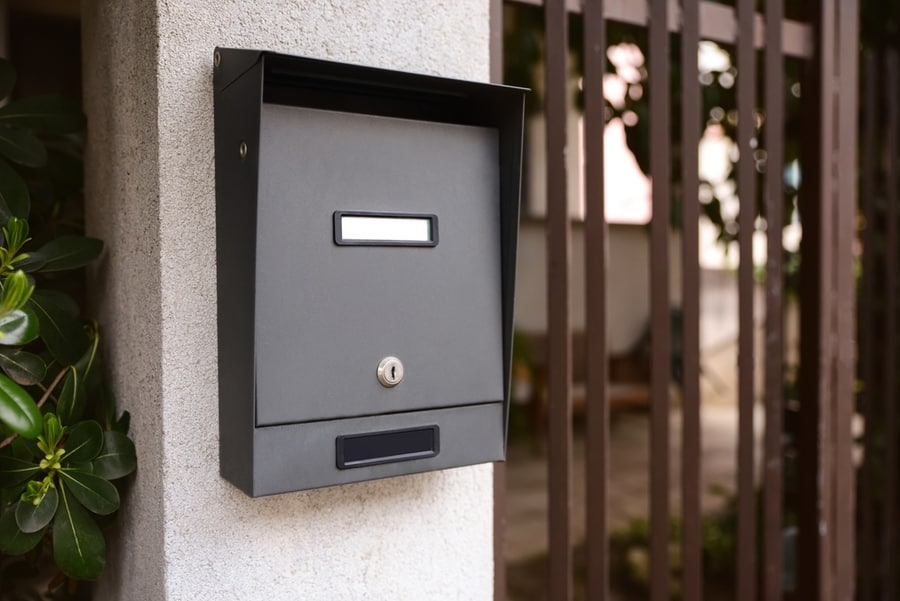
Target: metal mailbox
(366,231)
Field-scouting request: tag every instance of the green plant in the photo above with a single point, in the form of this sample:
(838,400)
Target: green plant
(630,552)
(61,441)
(629,563)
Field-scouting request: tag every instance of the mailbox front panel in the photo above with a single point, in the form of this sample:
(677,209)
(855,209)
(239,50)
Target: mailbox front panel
(466,437)
(327,313)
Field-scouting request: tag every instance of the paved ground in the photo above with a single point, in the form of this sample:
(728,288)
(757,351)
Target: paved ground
(526,534)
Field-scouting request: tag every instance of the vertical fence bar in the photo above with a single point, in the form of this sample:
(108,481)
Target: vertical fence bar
(597,427)
(844,542)
(559,352)
(826,290)
(892,446)
(746,106)
(813,307)
(774,345)
(867,360)
(691,475)
(496,74)
(660,323)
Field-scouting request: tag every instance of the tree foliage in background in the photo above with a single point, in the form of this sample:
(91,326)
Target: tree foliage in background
(524,43)
(61,440)
(524,50)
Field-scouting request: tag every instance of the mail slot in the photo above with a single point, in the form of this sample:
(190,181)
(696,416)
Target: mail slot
(366,240)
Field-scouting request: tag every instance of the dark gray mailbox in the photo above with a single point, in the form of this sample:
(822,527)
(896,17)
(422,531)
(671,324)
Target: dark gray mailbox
(366,230)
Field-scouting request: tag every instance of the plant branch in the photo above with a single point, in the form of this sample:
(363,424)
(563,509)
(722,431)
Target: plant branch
(50,388)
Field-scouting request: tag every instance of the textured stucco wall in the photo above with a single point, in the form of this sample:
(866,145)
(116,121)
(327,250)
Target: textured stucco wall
(185,533)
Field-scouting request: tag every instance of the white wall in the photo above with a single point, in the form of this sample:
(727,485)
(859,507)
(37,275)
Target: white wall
(185,533)
(628,282)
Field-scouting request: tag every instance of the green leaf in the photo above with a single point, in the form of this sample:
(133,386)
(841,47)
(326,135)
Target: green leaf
(25,368)
(65,252)
(54,431)
(59,325)
(31,263)
(78,545)
(18,411)
(31,517)
(95,493)
(82,467)
(88,368)
(19,326)
(118,457)
(48,113)
(14,197)
(24,448)
(72,400)
(12,540)
(7,78)
(21,147)
(15,471)
(84,443)
(17,287)
(15,234)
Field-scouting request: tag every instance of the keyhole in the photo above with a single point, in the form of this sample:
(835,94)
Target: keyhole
(390,372)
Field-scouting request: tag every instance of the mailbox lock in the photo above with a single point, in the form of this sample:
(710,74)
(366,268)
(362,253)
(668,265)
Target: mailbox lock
(390,372)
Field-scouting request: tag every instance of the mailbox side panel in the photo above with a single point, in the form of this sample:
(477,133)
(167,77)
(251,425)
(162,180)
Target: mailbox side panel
(236,121)
(510,110)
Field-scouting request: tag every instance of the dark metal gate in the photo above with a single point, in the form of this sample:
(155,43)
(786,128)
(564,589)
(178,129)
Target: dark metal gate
(879,326)
(824,42)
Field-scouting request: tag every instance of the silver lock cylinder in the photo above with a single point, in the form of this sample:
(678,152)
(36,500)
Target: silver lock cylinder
(390,372)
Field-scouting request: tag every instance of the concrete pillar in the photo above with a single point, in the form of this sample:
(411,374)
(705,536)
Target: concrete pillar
(185,533)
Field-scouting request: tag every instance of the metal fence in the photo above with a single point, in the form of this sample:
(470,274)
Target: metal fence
(824,42)
(879,361)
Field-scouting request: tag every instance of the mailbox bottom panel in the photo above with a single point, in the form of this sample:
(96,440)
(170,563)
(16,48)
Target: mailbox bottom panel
(312,455)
